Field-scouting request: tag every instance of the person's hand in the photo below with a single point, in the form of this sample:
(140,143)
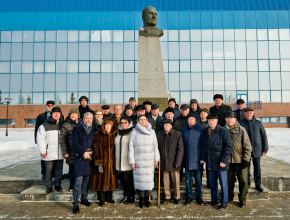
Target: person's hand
(43,155)
(155,163)
(263,154)
(176,166)
(222,164)
(133,167)
(201,162)
(66,155)
(101,170)
(87,155)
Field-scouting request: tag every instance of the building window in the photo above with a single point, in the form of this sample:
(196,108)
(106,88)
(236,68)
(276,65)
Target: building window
(273,119)
(30,121)
(4,122)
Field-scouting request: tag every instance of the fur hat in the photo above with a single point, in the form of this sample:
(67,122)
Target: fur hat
(55,109)
(191,115)
(240,101)
(83,97)
(50,102)
(169,110)
(140,107)
(105,107)
(172,99)
(74,110)
(218,96)
(147,102)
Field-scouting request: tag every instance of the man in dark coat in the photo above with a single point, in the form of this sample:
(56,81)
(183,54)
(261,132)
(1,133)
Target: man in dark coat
(83,144)
(170,145)
(182,119)
(107,113)
(218,148)
(117,114)
(155,114)
(240,111)
(172,104)
(147,104)
(193,138)
(141,111)
(169,114)
(65,141)
(39,121)
(195,108)
(259,141)
(220,109)
(129,112)
(202,122)
(83,108)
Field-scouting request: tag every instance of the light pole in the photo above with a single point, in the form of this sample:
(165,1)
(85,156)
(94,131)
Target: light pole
(7,100)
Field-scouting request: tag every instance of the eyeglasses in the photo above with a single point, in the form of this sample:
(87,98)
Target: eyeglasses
(124,123)
(98,114)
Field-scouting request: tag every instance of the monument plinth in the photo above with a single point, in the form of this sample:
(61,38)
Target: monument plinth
(151,78)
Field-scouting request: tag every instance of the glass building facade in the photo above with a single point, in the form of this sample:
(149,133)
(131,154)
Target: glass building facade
(56,55)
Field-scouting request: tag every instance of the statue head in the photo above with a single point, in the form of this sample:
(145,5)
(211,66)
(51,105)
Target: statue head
(149,16)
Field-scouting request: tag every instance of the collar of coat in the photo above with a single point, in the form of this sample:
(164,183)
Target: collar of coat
(187,127)
(170,132)
(221,106)
(235,128)
(144,130)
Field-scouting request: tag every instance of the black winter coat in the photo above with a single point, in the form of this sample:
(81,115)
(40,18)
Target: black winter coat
(182,120)
(196,114)
(171,150)
(221,113)
(84,110)
(257,135)
(110,115)
(218,148)
(97,125)
(177,112)
(239,114)
(65,139)
(81,141)
(176,126)
(39,121)
(158,119)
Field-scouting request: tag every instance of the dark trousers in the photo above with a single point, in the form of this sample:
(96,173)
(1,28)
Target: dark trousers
(242,175)
(223,179)
(81,189)
(43,167)
(71,173)
(257,171)
(143,193)
(126,178)
(188,182)
(105,195)
(56,166)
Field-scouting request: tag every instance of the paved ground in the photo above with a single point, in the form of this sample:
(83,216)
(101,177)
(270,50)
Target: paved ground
(276,207)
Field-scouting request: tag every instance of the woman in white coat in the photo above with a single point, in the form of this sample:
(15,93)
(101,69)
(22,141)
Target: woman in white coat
(143,158)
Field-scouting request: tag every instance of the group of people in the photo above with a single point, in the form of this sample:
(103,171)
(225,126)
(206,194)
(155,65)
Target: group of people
(101,147)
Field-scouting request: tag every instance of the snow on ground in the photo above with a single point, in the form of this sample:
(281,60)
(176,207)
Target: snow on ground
(19,146)
(279,143)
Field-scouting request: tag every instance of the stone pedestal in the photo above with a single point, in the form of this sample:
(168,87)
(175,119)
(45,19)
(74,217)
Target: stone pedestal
(151,78)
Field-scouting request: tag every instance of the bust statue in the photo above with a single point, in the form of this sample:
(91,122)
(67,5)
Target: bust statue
(149,17)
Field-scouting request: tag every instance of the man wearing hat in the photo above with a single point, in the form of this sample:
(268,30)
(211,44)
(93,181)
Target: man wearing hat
(259,142)
(220,109)
(83,108)
(195,108)
(147,104)
(193,138)
(240,111)
(169,114)
(129,112)
(141,111)
(49,148)
(155,114)
(218,148)
(239,159)
(172,104)
(170,145)
(202,122)
(182,119)
(39,121)
(107,113)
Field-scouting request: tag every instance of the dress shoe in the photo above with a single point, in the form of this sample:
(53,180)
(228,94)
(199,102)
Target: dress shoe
(86,202)
(110,201)
(165,201)
(130,200)
(243,204)
(188,200)
(76,209)
(125,199)
(259,188)
(58,188)
(223,207)
(211,203)
(176,201)
(199,201)
(102,203)
(49,190)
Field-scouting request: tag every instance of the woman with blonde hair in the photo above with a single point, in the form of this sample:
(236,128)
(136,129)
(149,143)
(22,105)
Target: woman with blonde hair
(98,119)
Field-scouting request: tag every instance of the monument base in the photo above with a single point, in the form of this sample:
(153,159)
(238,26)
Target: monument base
(161,102)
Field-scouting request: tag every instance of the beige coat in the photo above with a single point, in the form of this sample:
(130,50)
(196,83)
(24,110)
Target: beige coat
(242,147)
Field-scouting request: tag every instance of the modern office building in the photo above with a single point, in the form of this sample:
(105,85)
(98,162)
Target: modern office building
(63,49)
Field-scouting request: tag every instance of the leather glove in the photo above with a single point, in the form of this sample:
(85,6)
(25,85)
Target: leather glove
(101,170)
(245,164)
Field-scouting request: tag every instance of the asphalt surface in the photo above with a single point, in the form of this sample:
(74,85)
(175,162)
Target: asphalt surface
(276,207)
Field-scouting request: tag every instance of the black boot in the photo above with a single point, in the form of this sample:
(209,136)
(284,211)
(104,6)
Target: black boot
(188,200)
(49,190)
(86,202)
(76,209)
(147,202)
(125,199)
(71,185)
(141,202)
(58,188)
(199,200)
(102,203)
(130,200)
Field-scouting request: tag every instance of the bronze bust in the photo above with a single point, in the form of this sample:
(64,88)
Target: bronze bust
(149,17)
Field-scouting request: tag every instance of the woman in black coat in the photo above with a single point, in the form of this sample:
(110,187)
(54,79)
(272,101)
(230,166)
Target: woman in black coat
(98,119)
(65,140)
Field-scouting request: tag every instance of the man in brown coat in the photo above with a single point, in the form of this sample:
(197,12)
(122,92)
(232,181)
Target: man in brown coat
(239,159)
(170,144)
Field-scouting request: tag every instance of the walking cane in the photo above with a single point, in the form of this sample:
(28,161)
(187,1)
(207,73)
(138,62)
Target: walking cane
(159,184)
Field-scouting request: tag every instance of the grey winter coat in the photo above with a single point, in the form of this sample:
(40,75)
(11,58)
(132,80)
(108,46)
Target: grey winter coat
(143,152)
(203,124)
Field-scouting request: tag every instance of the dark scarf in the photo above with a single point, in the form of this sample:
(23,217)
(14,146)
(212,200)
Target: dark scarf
(125,132)
(84,110)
